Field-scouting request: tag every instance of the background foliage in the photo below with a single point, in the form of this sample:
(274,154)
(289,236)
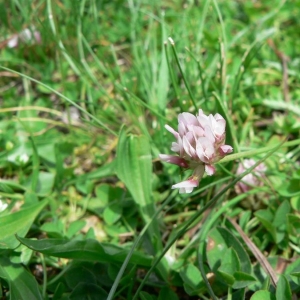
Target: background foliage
(90,213)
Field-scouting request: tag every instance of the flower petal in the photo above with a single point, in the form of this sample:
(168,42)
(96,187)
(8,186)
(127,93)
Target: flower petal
(187,118)
(176,160)
(170,129)
(225,149)
(186,186)
(210,169)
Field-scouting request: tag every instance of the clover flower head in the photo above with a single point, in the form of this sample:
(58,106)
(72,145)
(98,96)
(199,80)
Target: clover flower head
(251,179)
(28,35)
(200,143)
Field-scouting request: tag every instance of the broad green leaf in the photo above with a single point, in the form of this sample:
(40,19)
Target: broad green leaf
(191,275)
(134,168)
(53,229)
(75,227)
(265,217)
(18,223)
(242,280)
(295,203)
(226,277)
(192,280)
(45,183)
(281,213)
(296,274)
(230,271)
(290,189)
(22,284)
(21,255)
(263,295)
(112,213)
(230,262)
(220,239)
(283,290)
(293,224)
(90,250)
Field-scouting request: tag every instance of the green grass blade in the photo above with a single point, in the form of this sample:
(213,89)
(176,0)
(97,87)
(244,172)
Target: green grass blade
(182,73)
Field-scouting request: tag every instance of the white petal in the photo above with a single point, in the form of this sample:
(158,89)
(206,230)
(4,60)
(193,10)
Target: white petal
(190,183)
(13,42)
(210,170)
(187,118)
(170,129)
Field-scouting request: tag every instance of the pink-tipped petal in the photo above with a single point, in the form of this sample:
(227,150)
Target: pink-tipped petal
(170,129)
(175,160)
(225,149)
(210,169)
(186,186)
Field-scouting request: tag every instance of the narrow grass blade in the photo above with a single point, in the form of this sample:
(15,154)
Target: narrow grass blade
(182,74)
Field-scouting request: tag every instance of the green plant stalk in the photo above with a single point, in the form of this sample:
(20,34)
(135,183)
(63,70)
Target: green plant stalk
(212,202)
(202,271)
(201,74)
(223,49)
(100,65)
(182,74)
(45,278)
(172,75)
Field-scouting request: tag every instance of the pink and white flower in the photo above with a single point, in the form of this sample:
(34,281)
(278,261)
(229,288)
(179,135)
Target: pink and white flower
(200,142)
(251,179)
(28,35)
